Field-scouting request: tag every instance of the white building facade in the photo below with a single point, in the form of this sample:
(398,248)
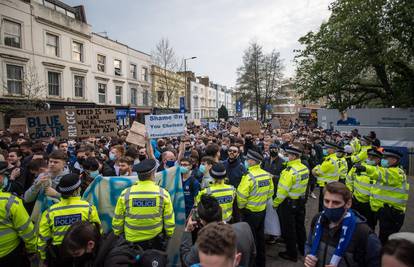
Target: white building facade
(49,52)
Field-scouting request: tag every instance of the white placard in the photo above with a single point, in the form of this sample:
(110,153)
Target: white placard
(165,125)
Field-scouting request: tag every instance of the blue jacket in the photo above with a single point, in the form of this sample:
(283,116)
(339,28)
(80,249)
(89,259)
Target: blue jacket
(191,187)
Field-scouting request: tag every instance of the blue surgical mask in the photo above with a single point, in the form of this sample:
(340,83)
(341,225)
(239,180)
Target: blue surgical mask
(333,214)
(94,174)
(112,156)
(170,163)
(370,162)
(202,168)
(5,181)
(184,170)
(385,163)
(246,164)
(325,152)
(285,158)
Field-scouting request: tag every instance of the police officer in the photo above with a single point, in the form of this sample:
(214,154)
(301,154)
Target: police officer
(355,142)
(389,197)
(253,192)
(144,211)
(366,144)
(290,201)
(361,182)
(57,219)
(224,193)
(328,171)
(15,225)
(342,164)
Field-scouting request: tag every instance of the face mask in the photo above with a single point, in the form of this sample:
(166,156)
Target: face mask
(334,214)
(80,160)
(370,162)
(273,153)
(112,156)
(385,163)
(325,152)
(224,147)
(142,157)
(94,174)
(170,163)
(246,164)
(5,181)
(184,170)
(202,168)
(285,158)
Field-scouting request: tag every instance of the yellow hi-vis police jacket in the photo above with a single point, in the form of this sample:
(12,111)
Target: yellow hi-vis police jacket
(255,188)
(224,194)
(328,171)
(362,155)
(361,184)
(57,219)
(292,183)
(15,223)
(143,211)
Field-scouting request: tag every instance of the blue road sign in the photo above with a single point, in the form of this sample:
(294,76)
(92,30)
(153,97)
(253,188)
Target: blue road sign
(239,106)
(182,104)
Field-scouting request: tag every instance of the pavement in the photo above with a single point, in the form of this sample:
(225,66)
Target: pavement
(272,258)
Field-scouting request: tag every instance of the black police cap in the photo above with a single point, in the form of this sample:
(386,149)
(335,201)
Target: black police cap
(146,166)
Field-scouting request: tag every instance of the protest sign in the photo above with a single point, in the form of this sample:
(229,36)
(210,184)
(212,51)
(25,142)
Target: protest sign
(275,123)
(70,115)
(250,126)
(165,125)
(136,134)
(18,125)
(45,124)
(96,122)
(197,122)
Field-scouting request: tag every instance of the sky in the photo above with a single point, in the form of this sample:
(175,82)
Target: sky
(215,31)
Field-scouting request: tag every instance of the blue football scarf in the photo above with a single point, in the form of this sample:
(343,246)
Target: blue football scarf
(348,228)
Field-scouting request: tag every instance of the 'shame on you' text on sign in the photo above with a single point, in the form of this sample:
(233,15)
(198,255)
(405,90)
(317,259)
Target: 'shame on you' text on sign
(165,125)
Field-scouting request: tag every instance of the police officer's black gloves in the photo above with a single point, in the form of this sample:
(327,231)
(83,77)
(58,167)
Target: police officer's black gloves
(359,168)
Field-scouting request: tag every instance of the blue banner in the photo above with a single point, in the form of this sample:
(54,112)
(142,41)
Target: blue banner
(182,104)
(239,106)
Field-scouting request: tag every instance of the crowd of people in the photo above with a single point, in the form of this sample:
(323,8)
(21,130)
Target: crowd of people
(228,179)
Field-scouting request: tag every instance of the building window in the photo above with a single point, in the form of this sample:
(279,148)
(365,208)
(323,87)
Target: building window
(144,74)
(145,97)
(160,96)
(77,51)
(79,86)
(52,44)
(133,71)
(117,67)
(101,63)
(133,96)
(12,33)
(53,83)
(14,79)
(118,95)
(102,93)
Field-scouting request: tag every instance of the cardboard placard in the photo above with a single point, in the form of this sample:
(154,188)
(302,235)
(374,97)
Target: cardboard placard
(136,134)
(250,126)
(197,122)
(45,124)
(165,125)
(96,122)
(18,125)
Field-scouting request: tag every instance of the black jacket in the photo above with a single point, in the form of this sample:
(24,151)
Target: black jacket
(108,168)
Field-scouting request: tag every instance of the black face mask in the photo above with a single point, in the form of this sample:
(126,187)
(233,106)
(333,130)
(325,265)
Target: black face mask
(80,160)
(273,153)
(142,157)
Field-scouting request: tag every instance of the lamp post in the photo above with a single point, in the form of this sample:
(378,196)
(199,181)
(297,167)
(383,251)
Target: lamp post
(186,101)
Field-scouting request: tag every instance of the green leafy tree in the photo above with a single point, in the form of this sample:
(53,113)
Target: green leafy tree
(223,113)
(362,56)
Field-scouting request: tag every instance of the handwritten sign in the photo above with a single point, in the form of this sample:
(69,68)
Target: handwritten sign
(18,125)
(165,125)
(275,123)
(96,122)
(43,124)
(250,126)
(197,122)
(136,134)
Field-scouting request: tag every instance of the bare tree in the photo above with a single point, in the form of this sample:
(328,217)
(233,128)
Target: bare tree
(27,94)
(164,56)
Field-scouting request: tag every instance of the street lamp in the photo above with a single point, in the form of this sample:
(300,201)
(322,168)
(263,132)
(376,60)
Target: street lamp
(185,82)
